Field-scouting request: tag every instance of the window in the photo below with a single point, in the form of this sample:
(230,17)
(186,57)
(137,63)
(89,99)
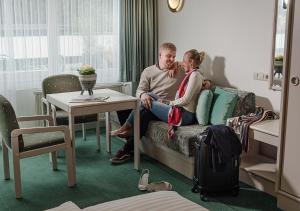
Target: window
(45,37)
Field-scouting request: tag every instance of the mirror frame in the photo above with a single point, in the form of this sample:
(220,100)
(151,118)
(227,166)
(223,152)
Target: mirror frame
(287,27)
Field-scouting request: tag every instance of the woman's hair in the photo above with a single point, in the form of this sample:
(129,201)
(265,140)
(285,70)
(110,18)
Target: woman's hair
(167,46)
(195,56)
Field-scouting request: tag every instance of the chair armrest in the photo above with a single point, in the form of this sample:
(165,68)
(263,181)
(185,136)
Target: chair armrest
(53,112)
(36,118)
(20,131)
(45,101)
(17,132)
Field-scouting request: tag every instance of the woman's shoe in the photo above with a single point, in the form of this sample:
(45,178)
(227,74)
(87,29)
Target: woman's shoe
(144,179)
(159,186)
(115,132)
(122,130)
(125,134)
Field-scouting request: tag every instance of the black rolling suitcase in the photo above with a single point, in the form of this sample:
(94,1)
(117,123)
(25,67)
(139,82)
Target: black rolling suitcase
(210,178)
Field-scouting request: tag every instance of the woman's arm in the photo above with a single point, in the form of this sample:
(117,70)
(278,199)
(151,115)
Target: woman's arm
(194,82)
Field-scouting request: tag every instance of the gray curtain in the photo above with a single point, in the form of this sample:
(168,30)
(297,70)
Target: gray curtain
(138,38)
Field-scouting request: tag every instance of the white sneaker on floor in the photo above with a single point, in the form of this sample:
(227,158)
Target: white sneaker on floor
(159,186)
(144,179)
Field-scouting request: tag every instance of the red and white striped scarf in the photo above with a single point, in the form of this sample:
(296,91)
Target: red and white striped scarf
(175,115)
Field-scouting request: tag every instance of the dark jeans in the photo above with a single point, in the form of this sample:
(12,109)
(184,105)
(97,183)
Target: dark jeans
(145,117)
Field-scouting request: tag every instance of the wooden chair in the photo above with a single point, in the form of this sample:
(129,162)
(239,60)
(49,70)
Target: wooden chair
(66,83)
(29,142)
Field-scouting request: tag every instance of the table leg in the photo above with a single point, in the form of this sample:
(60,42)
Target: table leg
(98,147)
(108,128)
(72,134)
(137,136)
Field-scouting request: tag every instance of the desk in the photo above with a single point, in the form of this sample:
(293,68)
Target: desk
(116,101)
(258,170)
(266,131)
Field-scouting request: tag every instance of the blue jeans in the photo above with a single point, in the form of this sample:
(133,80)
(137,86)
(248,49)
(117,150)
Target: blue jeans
(161,111)
(158,111)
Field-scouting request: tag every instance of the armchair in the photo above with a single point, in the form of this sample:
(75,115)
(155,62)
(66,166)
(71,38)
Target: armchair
(66,83)
(29,142)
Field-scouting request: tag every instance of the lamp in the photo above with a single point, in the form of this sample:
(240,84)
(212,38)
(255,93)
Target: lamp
(175,5)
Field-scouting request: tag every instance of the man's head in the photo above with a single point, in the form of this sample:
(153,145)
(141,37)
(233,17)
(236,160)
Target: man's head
(167,55)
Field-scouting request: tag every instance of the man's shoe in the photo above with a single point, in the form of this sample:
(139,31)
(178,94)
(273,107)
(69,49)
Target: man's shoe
(122,156)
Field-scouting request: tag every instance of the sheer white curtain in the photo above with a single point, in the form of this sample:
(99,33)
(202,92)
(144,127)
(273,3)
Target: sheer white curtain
(39,38)
(281,27)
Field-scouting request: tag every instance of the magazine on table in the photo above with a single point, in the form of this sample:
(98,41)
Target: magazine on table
(88,98)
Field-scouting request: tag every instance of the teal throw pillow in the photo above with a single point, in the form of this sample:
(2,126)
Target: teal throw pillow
(203,106)
(223,106)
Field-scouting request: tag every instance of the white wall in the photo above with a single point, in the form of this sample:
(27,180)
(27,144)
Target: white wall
(235,34)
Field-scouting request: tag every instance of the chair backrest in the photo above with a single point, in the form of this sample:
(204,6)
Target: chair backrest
(8,121)
(60,83)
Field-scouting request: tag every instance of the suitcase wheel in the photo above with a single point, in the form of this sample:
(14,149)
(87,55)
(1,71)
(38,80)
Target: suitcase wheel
(195,189)
(203,196)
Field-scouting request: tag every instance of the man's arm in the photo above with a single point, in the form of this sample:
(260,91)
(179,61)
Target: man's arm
(143,89)
(177,66)
(144,85)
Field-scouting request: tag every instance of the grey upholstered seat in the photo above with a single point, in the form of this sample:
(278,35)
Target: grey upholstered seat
(28,142)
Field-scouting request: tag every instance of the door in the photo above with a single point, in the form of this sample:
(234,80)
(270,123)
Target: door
(290,172)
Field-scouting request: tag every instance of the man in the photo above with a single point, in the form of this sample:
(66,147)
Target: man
(155,79)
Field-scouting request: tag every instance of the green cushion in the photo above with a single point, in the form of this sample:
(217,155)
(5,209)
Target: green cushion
(223,106)
(203,106)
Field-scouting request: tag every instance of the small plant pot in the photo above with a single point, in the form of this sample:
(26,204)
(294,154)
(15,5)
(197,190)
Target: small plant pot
(278,68)
(88,82)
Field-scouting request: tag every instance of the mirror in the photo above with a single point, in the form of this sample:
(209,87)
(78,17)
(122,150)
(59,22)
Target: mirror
(280,30)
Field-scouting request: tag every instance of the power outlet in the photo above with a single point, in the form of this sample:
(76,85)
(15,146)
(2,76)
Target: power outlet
(261,76)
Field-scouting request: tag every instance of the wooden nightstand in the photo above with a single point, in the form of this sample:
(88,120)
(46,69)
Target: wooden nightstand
(256,169)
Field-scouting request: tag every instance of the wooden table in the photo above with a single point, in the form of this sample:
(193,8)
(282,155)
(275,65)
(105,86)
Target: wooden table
(116,101)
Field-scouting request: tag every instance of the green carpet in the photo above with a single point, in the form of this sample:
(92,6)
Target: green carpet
(98,181)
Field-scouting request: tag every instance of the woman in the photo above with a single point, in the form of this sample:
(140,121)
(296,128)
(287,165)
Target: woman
(180,111)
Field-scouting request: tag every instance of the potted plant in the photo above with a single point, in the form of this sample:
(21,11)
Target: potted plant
(278,64)
(87,78)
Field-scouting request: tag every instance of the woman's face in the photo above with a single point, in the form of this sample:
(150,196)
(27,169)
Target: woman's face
(187,64)
(166,58)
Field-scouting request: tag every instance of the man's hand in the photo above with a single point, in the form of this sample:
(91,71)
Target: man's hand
(172,73)
(173,70)
(146,100)
(207,84)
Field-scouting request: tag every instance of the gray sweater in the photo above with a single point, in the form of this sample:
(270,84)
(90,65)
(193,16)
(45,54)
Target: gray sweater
(157,81)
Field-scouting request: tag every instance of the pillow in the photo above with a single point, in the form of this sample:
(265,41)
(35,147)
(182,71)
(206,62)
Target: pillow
(203,106)
(223,106)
